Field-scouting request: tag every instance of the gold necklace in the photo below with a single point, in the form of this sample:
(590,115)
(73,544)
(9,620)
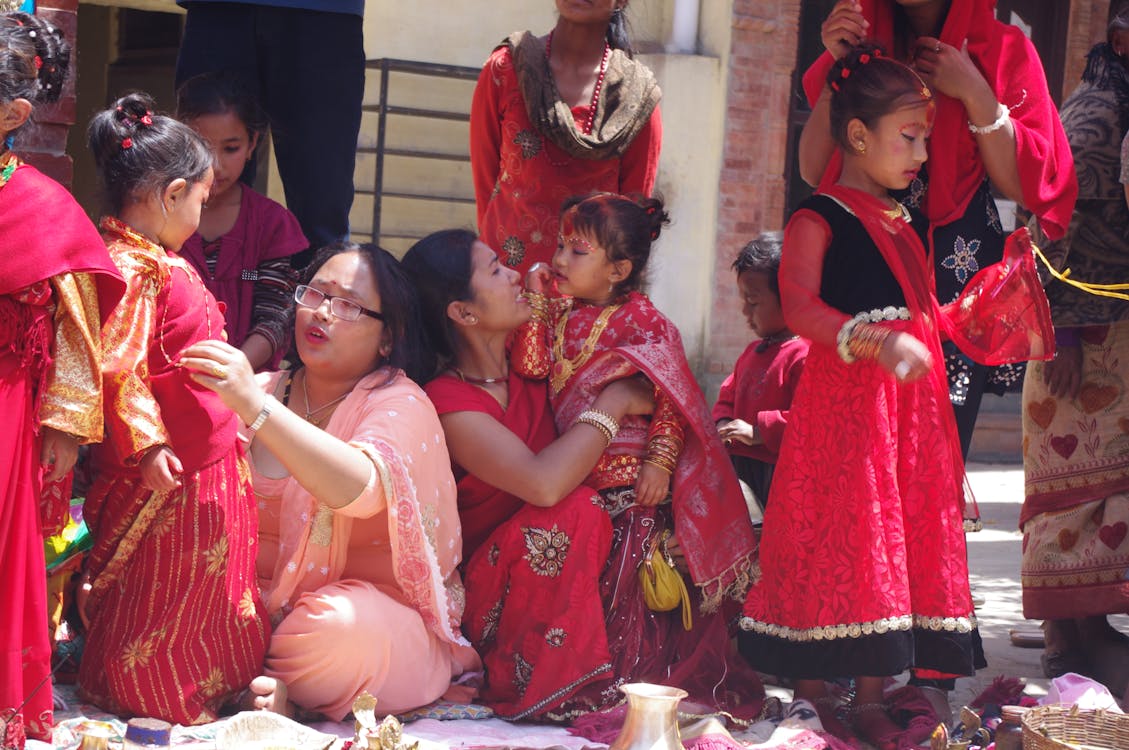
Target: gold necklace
(898,212)
(563,367)
(316,421)
(479,381)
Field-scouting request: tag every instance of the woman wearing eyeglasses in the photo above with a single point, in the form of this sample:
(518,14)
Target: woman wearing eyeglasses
(359,534)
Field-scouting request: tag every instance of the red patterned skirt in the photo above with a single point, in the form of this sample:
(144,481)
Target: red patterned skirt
(863,560)
(176,625)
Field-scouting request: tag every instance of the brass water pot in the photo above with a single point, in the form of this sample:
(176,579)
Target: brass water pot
(652,718)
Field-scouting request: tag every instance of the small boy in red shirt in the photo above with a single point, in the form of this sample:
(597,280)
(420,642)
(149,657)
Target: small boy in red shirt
(752,408)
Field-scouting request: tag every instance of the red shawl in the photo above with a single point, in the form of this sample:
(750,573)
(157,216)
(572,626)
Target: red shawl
(483,507)
(709,511)
(1010,64)
(44,233)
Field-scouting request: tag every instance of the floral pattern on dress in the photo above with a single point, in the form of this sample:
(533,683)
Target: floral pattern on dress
(493,555)
(555,637)
(523,674)
(962,261)
(547,550)
(514,250)
(490,621)
(528,142)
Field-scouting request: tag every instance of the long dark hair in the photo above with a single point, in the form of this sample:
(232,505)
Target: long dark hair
(218,93)
(440,267)
(138,151)
(398,302)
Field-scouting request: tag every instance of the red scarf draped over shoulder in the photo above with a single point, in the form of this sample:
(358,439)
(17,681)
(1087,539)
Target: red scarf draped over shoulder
(45,233)
(710,515)
(1010,64)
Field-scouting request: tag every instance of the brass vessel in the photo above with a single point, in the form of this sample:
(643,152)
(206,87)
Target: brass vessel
(652,718)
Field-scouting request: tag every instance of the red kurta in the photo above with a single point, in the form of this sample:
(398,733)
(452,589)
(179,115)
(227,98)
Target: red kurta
(49,360)
(533,608)
(521,178)
(176,624)
(759,391)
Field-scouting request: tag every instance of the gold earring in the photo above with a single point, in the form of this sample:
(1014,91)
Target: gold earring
(472,319)
(860,146)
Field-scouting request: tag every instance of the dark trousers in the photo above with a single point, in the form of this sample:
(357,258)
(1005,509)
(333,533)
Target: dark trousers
(309,70)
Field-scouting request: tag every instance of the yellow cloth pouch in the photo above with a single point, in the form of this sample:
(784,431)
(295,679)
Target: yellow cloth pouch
(663,587)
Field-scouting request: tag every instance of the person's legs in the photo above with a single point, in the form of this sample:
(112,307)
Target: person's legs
(868,714)
(218,36)
(313,83)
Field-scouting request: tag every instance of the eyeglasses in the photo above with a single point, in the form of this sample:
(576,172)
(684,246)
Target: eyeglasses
(307,296)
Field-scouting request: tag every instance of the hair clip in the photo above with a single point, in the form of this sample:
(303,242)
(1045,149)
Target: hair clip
(845,72)
(651,210)
(654,235)
(30,33)
(127,142)
(147,118)
(877,52)
(864,59)
(38,62)
(834,86)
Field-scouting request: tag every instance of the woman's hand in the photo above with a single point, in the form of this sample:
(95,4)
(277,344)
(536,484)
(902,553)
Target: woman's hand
(220,367)
(1063,374)
(844,27)
(674,550)
(60,452)
(905,356)
(538,278)
(739,430)
(951,71)
(159,469)
(651,486)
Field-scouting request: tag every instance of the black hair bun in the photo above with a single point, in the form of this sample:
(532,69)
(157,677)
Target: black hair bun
(49,50)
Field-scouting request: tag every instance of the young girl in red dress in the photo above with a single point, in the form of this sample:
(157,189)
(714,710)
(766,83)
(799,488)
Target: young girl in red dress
(863,556)
(666,480)
(57,283)
(175,621)
(245,241)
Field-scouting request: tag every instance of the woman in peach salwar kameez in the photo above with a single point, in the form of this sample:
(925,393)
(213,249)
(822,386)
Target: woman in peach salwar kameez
(359,531)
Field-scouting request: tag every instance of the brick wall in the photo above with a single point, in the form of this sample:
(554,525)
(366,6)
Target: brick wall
(751,188)
(43,141)
(1087,28)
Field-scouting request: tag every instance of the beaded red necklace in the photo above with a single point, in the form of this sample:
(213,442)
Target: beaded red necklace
(591,119)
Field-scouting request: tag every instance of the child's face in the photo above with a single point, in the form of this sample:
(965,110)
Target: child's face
(231,144)
(760,305)
(896,146)
(182,212)
(583,268)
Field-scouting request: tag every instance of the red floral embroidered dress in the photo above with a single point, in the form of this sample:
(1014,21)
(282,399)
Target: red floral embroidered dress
(176,621)
(521,176)
(533,606)
(863,555)
(57,282)
(591,347)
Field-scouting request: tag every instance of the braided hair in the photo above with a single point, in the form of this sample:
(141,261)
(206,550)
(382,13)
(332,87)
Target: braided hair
(138,151)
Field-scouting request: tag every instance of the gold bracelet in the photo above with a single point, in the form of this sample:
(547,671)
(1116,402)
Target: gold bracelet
(866,340)
(602,421)
(539,303)
(662,463)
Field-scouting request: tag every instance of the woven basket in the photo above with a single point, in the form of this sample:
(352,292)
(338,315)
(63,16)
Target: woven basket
(263,730)
(1064,727)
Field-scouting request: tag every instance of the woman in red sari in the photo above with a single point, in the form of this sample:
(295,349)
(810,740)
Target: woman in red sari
(535,541)
(175,621)
(559,115)
(57,283)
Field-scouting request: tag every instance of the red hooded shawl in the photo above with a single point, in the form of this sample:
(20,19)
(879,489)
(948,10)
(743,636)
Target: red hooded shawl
(1010,64)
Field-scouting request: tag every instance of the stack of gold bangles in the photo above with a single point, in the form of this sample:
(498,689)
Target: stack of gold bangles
(602,421)
(866,340)
(662,451)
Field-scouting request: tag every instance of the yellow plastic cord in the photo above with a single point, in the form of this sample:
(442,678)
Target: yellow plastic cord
(1101,290)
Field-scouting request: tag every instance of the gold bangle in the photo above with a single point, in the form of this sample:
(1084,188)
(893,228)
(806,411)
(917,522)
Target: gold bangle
(661,463)
(539,304)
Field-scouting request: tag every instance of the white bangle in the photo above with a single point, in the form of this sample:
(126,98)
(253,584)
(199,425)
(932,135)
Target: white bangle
(1001,120)
(259,420)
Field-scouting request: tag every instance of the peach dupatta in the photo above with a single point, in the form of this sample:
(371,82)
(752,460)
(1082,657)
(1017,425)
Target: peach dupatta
(395,425)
